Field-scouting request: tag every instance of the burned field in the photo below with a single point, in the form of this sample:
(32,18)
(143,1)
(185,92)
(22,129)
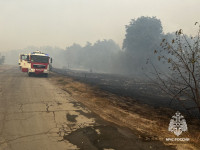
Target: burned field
(139,90)
(113,99)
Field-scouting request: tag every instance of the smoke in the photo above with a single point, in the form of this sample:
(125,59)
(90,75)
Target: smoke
(143,36)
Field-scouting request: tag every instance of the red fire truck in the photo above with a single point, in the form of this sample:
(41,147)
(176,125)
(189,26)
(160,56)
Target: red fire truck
(37,63)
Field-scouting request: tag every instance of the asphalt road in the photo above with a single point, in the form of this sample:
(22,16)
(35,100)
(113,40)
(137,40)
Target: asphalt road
(35,114)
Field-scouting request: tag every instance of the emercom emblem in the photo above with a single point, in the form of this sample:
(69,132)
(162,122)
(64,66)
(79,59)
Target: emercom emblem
(177,124)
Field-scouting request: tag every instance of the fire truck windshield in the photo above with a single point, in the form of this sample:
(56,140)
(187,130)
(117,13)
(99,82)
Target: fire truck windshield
(39,59)
(23,57)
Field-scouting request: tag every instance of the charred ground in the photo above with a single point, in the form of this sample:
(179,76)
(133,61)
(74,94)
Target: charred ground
(149,121)
(139,89)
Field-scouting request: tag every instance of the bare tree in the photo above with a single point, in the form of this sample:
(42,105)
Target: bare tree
(183,57)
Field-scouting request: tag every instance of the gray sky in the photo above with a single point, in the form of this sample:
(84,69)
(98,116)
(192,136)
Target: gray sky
(64,22)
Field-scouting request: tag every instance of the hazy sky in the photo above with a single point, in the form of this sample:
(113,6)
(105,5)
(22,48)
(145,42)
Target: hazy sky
(64,22)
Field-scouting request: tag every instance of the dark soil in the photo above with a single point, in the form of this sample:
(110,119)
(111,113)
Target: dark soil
(109,137)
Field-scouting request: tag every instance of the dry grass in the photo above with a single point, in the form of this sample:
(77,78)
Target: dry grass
(148,123)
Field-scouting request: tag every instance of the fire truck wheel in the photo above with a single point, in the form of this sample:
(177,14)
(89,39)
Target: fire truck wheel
(29,74)
(46,75)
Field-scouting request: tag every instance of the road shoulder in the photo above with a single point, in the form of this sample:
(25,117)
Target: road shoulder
(147,123)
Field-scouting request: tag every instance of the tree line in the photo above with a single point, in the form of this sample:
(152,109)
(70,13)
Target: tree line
(143,35)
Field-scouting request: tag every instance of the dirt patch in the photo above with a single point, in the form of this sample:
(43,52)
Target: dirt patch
(71,118)
(109,137)
(88,115)
(148,123)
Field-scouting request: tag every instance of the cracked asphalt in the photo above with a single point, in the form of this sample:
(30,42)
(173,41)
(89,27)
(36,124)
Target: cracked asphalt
(35,114)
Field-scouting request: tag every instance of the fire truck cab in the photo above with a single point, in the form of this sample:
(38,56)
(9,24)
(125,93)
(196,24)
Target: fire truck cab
(38,63)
